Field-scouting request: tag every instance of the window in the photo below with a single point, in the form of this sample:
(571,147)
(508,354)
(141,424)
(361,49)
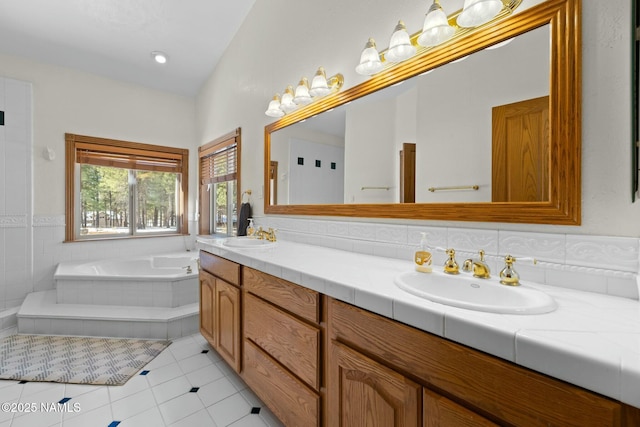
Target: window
(219,184)
(124,189)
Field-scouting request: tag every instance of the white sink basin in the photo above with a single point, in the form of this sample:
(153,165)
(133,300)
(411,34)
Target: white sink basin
(247,242)
(466,291)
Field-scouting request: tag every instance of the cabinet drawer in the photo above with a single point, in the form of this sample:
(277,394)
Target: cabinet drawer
(220,267)
(296,299)
(288,398)
(290,341)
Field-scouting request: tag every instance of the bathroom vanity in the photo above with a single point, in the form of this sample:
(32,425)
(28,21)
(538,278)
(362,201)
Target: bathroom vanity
(315,333)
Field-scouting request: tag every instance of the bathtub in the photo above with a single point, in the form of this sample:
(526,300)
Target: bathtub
(148,268)
(166,280)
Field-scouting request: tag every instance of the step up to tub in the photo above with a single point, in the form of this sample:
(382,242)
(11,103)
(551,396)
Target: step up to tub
(167,293)
(41,314)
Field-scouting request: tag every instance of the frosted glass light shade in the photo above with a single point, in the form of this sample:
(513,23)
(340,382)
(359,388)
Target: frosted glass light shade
(499,45)
(477,12)
(400,47)
(302,96)
(436,28)
(319,86)
(274,107)
(370,62)
(286,103)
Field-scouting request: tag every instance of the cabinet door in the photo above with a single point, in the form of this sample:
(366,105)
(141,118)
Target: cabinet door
(367,394)
(227,322)
(438,411)
(207,306)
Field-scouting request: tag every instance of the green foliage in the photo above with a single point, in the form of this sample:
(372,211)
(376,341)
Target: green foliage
(105,201)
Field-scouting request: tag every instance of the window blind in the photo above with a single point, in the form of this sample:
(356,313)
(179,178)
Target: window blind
(128,158)
(219,166)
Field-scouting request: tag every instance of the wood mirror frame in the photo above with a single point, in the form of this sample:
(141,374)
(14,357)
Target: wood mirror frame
(564,204)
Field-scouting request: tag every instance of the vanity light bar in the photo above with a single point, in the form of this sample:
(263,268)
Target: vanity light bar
(304,93)
(385,59)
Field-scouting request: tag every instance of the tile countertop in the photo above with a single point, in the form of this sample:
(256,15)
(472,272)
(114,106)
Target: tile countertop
(590,340)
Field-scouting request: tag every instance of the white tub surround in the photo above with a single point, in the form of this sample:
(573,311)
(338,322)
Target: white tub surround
(155,281)
(143,297)
(591,340)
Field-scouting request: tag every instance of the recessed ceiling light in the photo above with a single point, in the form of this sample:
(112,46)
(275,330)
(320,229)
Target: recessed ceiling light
(159,57)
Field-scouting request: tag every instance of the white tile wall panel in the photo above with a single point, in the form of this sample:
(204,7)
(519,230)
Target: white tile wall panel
(601,264)
(611,253)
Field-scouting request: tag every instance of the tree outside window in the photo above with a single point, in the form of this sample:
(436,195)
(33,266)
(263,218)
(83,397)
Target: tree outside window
(123,189)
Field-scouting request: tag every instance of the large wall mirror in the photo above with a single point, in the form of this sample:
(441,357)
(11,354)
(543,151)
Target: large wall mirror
(486,128)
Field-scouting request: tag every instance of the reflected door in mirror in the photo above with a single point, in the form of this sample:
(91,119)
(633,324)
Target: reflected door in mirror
(408,173)
(521,151)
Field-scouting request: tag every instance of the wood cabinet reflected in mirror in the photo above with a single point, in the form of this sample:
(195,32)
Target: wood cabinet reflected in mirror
(542,161)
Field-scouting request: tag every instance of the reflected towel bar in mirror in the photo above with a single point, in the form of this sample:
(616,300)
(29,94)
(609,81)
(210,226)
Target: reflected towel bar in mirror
(458,188)
(375,188)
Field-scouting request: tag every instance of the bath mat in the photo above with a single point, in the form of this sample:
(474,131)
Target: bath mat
(77,360)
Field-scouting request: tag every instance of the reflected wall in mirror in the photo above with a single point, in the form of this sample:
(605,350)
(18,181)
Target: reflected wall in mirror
(451,114)
(496,132)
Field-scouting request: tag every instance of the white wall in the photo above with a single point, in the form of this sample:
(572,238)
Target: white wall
(455,106)
(69,101)
(310,181)
(333,36)
(370,154)
(85,104)
(281,149)
(15,193)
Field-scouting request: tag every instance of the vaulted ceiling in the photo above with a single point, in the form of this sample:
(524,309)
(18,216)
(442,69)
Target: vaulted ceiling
(115,38)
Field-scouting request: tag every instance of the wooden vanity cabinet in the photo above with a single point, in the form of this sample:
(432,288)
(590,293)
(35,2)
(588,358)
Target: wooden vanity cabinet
(382,372)
(207,306)
(367,393)
(283,347)
(220,307)
(316,361)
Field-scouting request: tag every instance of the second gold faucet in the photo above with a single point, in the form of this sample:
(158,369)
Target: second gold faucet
(269,235)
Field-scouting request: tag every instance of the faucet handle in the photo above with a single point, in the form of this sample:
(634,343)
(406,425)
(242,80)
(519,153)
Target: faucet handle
(450,265)
(508,275)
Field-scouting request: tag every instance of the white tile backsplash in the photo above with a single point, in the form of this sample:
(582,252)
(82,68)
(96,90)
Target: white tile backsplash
(392,233)
(601,264)
(611,253)
(542,246)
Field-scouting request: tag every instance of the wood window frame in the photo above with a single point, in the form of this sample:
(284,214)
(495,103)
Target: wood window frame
(119,150)
(207,150)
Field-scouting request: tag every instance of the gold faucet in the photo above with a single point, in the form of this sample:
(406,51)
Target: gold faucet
(269,235)
(450,265)
(508,275)
(480,268)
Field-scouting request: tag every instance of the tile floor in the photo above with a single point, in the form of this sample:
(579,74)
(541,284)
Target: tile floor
(188,385)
